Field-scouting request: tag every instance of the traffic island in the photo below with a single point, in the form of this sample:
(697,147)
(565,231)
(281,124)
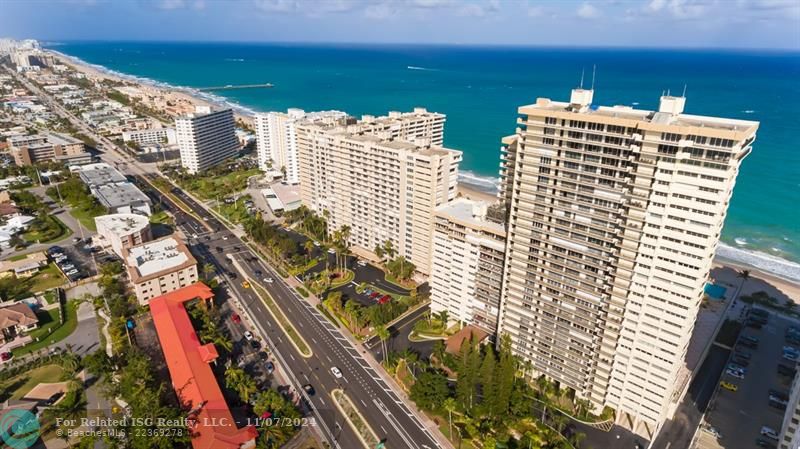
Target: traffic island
(288,328)
(356,420)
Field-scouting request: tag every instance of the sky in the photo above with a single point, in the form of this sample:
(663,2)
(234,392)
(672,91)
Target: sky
(772,24)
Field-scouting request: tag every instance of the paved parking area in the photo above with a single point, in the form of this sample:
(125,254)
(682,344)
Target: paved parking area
(739,416)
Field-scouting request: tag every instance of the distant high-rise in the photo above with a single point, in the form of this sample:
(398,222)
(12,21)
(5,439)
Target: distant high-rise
(206,138)
(276,139)
(614,217)
(382,176)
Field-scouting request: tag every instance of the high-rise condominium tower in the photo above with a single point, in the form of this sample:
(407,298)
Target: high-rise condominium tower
(206,138)
(382,177)
(276,139)
(614,217)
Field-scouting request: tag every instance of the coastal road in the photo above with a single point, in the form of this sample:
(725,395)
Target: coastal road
(386,413)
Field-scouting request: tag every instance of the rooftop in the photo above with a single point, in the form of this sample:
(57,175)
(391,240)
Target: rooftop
(99,174)
(670,113)
(153,259)
(192,378)
(122,224)
(39,259)
(119,194)
(19,314)
(470,213)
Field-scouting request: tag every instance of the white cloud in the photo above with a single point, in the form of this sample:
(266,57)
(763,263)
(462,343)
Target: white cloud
(479,9)
(171,4)
(535,11)
(282,6)
(379,11)
(588,11)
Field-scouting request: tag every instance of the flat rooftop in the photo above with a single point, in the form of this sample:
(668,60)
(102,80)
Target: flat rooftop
(153,259)
(99,174)
(122,224)
(287,194)
(470,213)
(119,194)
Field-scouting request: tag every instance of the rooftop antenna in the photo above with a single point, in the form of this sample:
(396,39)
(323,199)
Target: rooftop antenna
(582,71)
(684,90)
(594,71)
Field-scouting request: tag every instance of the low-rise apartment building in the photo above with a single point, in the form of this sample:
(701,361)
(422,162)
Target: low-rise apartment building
(154,136)
(467,264)
(159,267)
(34,149)
(113,191)
(123,231)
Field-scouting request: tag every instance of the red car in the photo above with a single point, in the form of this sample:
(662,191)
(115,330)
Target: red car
(374,295)
(236,318)
(6,356)
(384,299)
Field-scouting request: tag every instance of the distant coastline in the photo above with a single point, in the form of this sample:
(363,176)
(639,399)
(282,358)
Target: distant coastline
(771,265)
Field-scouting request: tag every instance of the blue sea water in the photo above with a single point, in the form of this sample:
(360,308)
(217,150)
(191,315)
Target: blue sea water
(480,88)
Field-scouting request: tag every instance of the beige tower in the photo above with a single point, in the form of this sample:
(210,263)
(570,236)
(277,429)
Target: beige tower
(614,217)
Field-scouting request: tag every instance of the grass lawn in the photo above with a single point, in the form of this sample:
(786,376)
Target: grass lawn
(32,378)
(235,213)
(213,187)
(19,257)
(47,278)
(48,231)
(85,217)
(344,280)
(161,217)
(407,284)
(50,329)
(277,313)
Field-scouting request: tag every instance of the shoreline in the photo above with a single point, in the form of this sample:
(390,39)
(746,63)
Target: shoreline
(470,185)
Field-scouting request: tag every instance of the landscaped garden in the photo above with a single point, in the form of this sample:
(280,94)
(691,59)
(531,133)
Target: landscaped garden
(48,277)
(235,212)
(216,183)
(494,402)
(52,329)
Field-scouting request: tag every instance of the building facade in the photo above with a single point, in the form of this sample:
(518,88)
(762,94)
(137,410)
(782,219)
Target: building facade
(123,231)
(789,435)
(155,136)
(467,264)
(276,139)
(158,267)
(29,150)
(206,138)
(614,217)
(383,187)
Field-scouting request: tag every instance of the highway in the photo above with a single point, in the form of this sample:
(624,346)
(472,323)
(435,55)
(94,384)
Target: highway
(385,412)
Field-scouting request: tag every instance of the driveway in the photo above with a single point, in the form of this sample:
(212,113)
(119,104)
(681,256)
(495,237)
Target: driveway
(86,337)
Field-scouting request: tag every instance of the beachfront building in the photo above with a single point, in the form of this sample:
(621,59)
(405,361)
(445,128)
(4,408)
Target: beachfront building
(122,231)
(154,136)
(276,139)
(614,217)
(158,267)
(206,138)
(52,147)
(789,434)
(467,264)
(381,177)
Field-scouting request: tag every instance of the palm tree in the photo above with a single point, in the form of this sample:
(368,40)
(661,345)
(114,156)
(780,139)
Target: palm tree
(388,249)
(208,269)
(379,251)
(239,381)
(345,232)
(443,316)
(309,247)
(450,406)
(351,309)
(384,335)
(745,275)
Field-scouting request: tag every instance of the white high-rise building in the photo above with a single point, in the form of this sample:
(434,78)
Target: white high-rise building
(206,138)
(383,177)
(614,218)
(467,264)
(276,139)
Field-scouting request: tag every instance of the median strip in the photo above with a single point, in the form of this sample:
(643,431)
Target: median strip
(288,328)
(364,432)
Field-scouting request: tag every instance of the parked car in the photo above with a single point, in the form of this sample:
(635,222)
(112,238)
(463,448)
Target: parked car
(743,354)
(255,344)
(236,318)
(778,395)
(736,374)
(6,356)
(753,324)
(248,335)
(71,272)
(760,442)
(749,338)
(769,433)
(728,386)
(361,263)
(270,367)
(54,249)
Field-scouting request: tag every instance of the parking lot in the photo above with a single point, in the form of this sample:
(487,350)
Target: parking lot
(739,415)
(74,261)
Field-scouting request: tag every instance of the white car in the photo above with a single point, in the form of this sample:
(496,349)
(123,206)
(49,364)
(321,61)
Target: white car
(336,373)
(248,335)
(269,280)
(736,374)
(361,263)
(769,433)
(332,251)
(224,237)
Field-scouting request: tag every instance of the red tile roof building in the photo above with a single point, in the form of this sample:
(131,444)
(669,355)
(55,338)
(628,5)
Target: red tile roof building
(193,380)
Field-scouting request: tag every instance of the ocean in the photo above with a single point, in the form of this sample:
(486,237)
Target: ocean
(480,88)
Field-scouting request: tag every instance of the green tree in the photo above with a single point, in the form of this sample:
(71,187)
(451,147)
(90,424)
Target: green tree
(504,381)
(430,390)
(450,405)
(383,334)
(239,381)
(488,382)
